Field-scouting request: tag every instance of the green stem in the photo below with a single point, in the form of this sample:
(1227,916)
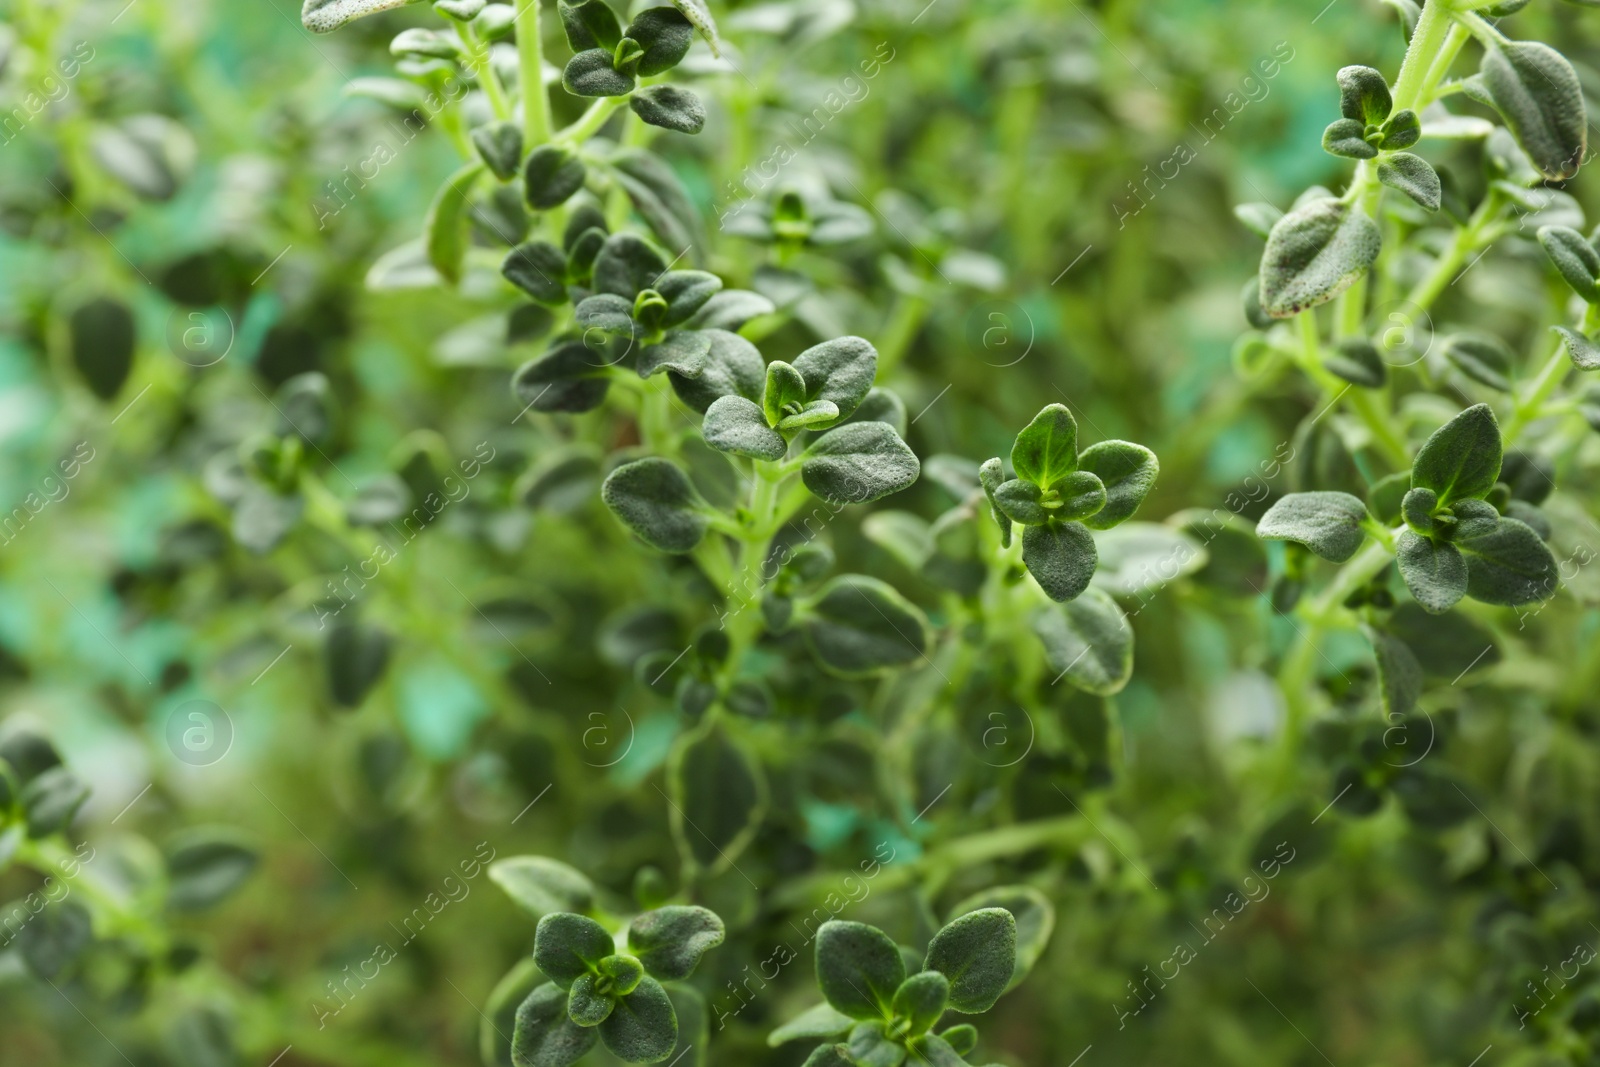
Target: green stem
(1427,41)
(1530,405)
(588,124)
(477,59)
(530,60)
(904,322)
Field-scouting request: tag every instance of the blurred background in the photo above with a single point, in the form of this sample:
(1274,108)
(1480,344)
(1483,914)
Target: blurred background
(192,196)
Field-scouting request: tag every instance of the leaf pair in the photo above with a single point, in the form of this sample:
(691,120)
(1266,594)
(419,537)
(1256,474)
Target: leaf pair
(609,59)
(597,993)
(1367,127)
(1059,494)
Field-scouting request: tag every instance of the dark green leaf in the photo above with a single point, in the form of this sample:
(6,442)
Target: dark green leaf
(962,1039)
(500,145)
(1128,472)
(103,336)
(1537,92)
(870,1047)
(568,378)
(655,499)
(552,174)
(734,424)
(586,1005)
(1403,130)
(542,886)
(1482,357)
(1363,95)
(1036,919)
(1077,496)
(858,625)
(733,367)
(858,968)
(1461,459)
(589,24)
(1356,360)
(669,941)
(1061,557)
(829,1056)
(686,292)
(1327,523)
(931,1050)
(977,952)
(683,352)
(1413,176)
(591,74)
(357,655)
(1019,501)
(1417,507)
(1313,254)
(1347,138)
(545,1036)
(567,945)
(1575,259)
(539,269)
(1047,449)
(840,371)
(1507,562)
(858,463)
(204,867)
(499,1018)
(627,265)
(670,108)
(665,35)
(1087,641)
(719,798)
(658,195)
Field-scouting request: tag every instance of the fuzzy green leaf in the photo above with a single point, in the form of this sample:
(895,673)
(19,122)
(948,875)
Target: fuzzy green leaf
(1019,501)
(858,968)
(1507,562)
(859,463)
(589,24)
(1403,130)
(567,945)
(1413,176)
(1575,259)
(829,1056)
(962,1038)
(870,1046)
(1087,641)
(1036,920)
(684,352)
(669,941)
(51,800)
(325,16)
(627,265)
(1363,95)
(1077,496)
(1128,472)
(1347,138)
(1313,254)
(736,425)
(655,499)
(1328,523)
(733,367)
(857,626)
(1061,557)
(205,867)
(921,999)
(642,1028)
(1047,448)
(670,108)
(1461,459)
(977,952)
(1584,353)
(586,1005)
(785,392)
(544,1035)
(1537,92)
(591,73)
(841,371)
(686,292)
(816,415)
(991,476)
(665,35)
(1433,570)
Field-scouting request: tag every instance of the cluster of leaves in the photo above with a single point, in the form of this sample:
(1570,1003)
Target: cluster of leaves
(886,1016)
